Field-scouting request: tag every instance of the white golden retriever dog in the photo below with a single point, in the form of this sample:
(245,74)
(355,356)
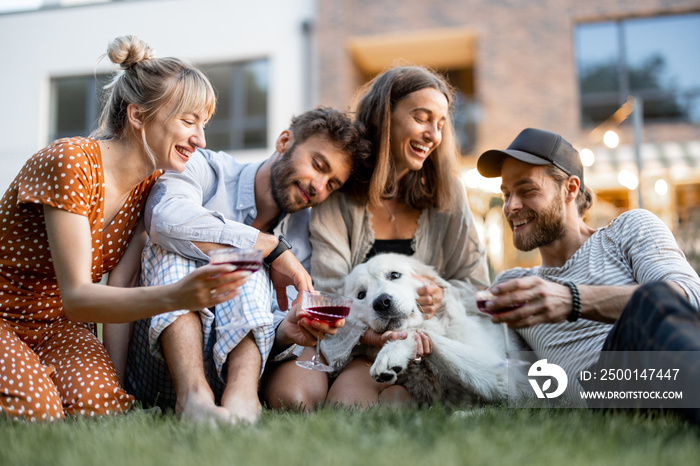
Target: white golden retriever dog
(468,357)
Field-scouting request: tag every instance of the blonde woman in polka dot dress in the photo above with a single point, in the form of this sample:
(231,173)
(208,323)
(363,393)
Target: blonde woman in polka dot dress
(73,214)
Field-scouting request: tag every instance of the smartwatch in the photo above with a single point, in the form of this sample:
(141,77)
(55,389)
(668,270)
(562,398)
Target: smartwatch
(282,246)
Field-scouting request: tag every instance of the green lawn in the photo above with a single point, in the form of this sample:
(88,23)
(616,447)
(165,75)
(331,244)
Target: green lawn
(492,436)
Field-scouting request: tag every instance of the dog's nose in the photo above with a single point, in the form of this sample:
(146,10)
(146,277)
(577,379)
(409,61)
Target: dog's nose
(382,303)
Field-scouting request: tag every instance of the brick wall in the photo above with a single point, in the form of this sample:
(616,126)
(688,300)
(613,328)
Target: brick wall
(525,68)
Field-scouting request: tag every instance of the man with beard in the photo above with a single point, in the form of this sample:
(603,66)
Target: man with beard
(206,365)
(573,305)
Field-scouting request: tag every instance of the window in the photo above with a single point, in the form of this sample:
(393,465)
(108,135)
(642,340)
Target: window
(465,110)
(76,105)
(656,59)
(240,121)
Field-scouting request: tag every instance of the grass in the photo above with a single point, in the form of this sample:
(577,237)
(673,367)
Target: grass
(492,436)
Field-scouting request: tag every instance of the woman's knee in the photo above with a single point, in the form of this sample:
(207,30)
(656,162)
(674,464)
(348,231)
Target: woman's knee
(295,396)
(290,386)
(354,386)
(26,386)
(98,398)
(395,395)
(42,404)
(86,379)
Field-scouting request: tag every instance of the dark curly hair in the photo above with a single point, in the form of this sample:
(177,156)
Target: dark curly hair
(337,127)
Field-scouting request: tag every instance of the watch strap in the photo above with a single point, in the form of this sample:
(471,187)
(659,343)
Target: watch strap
(282,246)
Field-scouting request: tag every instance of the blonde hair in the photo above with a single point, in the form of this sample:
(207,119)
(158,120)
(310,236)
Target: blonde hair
(151,84)
(432,185)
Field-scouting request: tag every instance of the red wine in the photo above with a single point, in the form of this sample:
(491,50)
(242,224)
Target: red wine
(251,266)
(481,304)
(329,314)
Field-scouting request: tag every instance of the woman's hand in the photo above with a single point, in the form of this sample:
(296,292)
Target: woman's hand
(372,338)
(208,286)
(430,297)
(424,345)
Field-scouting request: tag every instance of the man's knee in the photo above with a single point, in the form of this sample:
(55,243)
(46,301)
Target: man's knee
(653,290)
(244,358)
(656,300)
(654,317)
(186,327)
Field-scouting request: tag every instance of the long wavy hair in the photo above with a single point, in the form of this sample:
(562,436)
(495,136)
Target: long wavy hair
(375,177)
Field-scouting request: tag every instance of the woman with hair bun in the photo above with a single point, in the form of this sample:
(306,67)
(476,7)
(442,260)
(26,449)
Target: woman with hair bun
(72,214)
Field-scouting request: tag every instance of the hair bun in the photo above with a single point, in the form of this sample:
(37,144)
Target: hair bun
(126,51)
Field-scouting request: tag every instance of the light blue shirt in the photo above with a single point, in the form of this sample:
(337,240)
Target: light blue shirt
(213,201)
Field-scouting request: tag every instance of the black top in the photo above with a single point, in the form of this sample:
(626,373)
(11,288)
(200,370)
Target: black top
(399,246)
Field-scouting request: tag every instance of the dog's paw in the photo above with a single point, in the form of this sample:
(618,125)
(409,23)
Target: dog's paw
(391,361)
(386,374)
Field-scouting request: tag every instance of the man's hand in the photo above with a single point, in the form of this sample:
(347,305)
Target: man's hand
(540,301)
(298,328)
(287,270)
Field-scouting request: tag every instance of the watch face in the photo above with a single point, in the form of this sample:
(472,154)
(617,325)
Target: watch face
(286,243)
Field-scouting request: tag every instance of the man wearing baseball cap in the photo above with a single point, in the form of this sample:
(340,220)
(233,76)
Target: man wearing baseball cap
(623,287)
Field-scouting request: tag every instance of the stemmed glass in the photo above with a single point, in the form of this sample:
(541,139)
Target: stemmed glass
(482,297)
(242,259)
(328,308)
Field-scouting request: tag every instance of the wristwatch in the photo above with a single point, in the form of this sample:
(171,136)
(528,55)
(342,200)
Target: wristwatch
(282,246)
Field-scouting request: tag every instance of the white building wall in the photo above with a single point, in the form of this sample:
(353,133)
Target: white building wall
(39,45)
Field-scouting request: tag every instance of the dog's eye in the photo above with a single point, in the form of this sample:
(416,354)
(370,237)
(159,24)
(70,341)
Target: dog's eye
(361,295)
(394,275)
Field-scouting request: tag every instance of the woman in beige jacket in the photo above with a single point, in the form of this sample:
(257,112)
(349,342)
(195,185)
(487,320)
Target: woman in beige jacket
(405,198)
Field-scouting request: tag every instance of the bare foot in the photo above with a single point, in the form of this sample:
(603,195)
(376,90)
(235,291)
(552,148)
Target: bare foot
(200,408)
(243,410)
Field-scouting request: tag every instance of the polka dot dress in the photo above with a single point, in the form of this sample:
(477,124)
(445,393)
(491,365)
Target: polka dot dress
(50,366)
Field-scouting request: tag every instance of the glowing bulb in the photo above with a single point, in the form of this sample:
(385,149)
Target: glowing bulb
(661,187)
(587,157)
(611,139)
(470,178)
(628,179)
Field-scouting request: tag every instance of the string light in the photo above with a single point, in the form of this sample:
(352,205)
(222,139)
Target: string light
(611,139)
(628,179)
(472,179)
(661,187)
(587,157)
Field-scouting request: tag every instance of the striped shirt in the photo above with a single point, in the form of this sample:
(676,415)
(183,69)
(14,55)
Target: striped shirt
(635,248)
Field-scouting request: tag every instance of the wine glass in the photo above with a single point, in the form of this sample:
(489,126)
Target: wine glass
(323,307)
(242,259)
(482,297)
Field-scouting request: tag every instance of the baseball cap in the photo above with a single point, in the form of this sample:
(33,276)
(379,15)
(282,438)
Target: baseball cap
(536,147)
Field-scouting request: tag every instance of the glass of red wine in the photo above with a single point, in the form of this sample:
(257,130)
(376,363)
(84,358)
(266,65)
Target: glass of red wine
(243,259)
(323,307)
(482,297)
